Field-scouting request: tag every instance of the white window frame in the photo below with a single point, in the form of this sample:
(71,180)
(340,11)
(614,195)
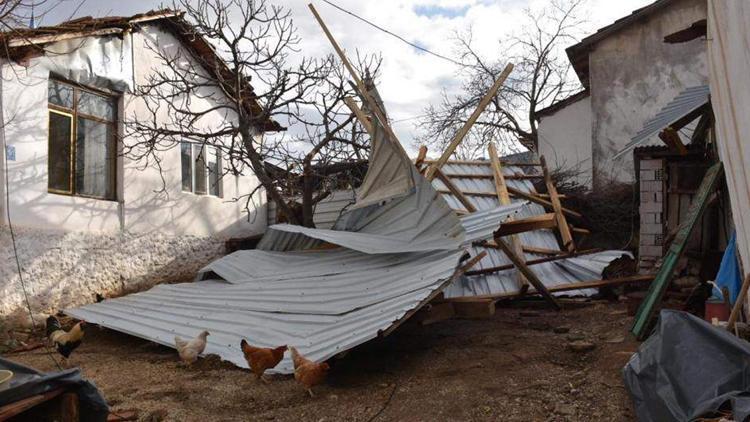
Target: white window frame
(194,151)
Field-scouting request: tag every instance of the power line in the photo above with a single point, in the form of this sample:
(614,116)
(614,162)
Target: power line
(399,37)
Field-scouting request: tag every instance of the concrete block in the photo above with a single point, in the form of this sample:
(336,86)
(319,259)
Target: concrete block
(653,207)
(648,240)
(650,251)
(651,164)
(647,175)
(658,196)
(652,229)
(657,218)
(648,217)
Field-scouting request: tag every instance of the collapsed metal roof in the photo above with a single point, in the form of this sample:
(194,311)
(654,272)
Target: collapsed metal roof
(392,254)
(685,107)
(476,181)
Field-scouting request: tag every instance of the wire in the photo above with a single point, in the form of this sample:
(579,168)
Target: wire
(399,37)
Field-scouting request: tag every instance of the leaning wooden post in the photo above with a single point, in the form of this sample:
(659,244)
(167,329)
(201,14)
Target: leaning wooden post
(562,223)
(459,136)
(502,195)
(533,279)
(737,308)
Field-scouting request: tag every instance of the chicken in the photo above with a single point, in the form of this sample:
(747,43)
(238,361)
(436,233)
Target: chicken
(260,359)
(64,342)
(189,350)
(307,372)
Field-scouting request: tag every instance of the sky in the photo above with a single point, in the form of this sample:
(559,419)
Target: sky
(410,79)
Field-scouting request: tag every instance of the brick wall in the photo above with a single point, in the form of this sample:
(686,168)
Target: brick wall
(651,207)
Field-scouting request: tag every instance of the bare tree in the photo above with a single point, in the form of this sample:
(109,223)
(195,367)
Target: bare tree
(540,78)
(254,42)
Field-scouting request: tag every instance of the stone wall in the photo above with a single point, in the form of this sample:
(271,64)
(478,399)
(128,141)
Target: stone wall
(64,269)
(650,247)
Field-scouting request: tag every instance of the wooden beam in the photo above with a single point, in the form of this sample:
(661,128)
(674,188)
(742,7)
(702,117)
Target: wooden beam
(531,262)
(372,105)
(737,308)
(468,193)
(20,406)
(541,251)
(562,223)
(453,190)
(537,222)
(583,285)
(670,137)
(421,157)
(483,163)
(543,202)
(504,198)
(474,310)
(361,116)
(459,136)
(472,262)
(533,279)
(487,176)
(434,312)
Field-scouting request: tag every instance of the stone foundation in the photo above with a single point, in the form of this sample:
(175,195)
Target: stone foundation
(69,269)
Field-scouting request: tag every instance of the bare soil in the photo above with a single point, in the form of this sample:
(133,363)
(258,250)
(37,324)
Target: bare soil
(516,366)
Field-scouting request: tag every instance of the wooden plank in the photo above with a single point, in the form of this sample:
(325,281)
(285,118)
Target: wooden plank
(531,262)
(502,195)
(487,176)
(541,251)
(466,193)
(474,310)
(737,308)
(435,312)
(583,285)
(453,190)
(472,262)
(537,222)
(483,163)
(421,157)
(15,408)
(562,223)
(664,276)
(543,202)
(459,136)
(519,263)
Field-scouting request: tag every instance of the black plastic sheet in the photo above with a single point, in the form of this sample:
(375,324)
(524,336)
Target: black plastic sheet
(27,382)
(687,369)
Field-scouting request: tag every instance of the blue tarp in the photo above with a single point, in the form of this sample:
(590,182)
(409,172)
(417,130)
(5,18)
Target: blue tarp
(729,275)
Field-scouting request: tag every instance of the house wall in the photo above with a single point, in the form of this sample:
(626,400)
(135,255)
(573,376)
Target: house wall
(565,140)
(72,247)
(633,74)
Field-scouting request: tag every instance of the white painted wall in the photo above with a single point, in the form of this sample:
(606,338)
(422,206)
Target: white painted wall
(633,75)
(72,247)
(565,139)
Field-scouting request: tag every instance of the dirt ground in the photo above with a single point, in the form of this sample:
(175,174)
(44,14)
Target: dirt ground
(516,366)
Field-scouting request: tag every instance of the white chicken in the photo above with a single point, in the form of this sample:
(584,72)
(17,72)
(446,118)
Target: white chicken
(189,350)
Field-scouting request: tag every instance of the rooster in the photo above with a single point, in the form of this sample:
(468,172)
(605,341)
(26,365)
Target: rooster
(307,372)
(189,350)
(260,359)
(64,342)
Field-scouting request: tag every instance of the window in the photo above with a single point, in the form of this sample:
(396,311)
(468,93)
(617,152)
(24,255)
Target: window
(201,169)
(82,142)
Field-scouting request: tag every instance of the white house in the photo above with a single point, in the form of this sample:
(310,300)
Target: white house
(629,73)
(87,220)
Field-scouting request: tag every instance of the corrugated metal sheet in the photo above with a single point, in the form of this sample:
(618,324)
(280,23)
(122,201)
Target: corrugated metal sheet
(326,212)
(319,312)
(567,271)
(682,105)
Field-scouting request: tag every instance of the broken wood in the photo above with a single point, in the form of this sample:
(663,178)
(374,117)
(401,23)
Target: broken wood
(504,198)
(531,262)
(737,308)
(583,285)
(538,200)
(533,279)
(472,262)
(672,139)
(459,136)
(562,223)
(453,190)
(537,222)
(18,407)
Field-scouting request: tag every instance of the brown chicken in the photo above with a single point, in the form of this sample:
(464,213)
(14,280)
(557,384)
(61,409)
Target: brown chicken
(307,372)
(261,359)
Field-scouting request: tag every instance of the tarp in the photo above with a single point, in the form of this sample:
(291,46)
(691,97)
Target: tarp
(729,275)
(687,369)
(729,60)
(27,382)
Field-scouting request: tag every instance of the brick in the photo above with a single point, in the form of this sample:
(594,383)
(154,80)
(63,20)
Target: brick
(651,186)
(650,207)
(658,197)
(657,218)
(648,217)
(652,229)
(648,240)
(647,175)
(651,164)
(650,251)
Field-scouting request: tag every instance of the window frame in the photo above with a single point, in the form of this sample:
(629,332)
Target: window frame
(74,115)
(197,146)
